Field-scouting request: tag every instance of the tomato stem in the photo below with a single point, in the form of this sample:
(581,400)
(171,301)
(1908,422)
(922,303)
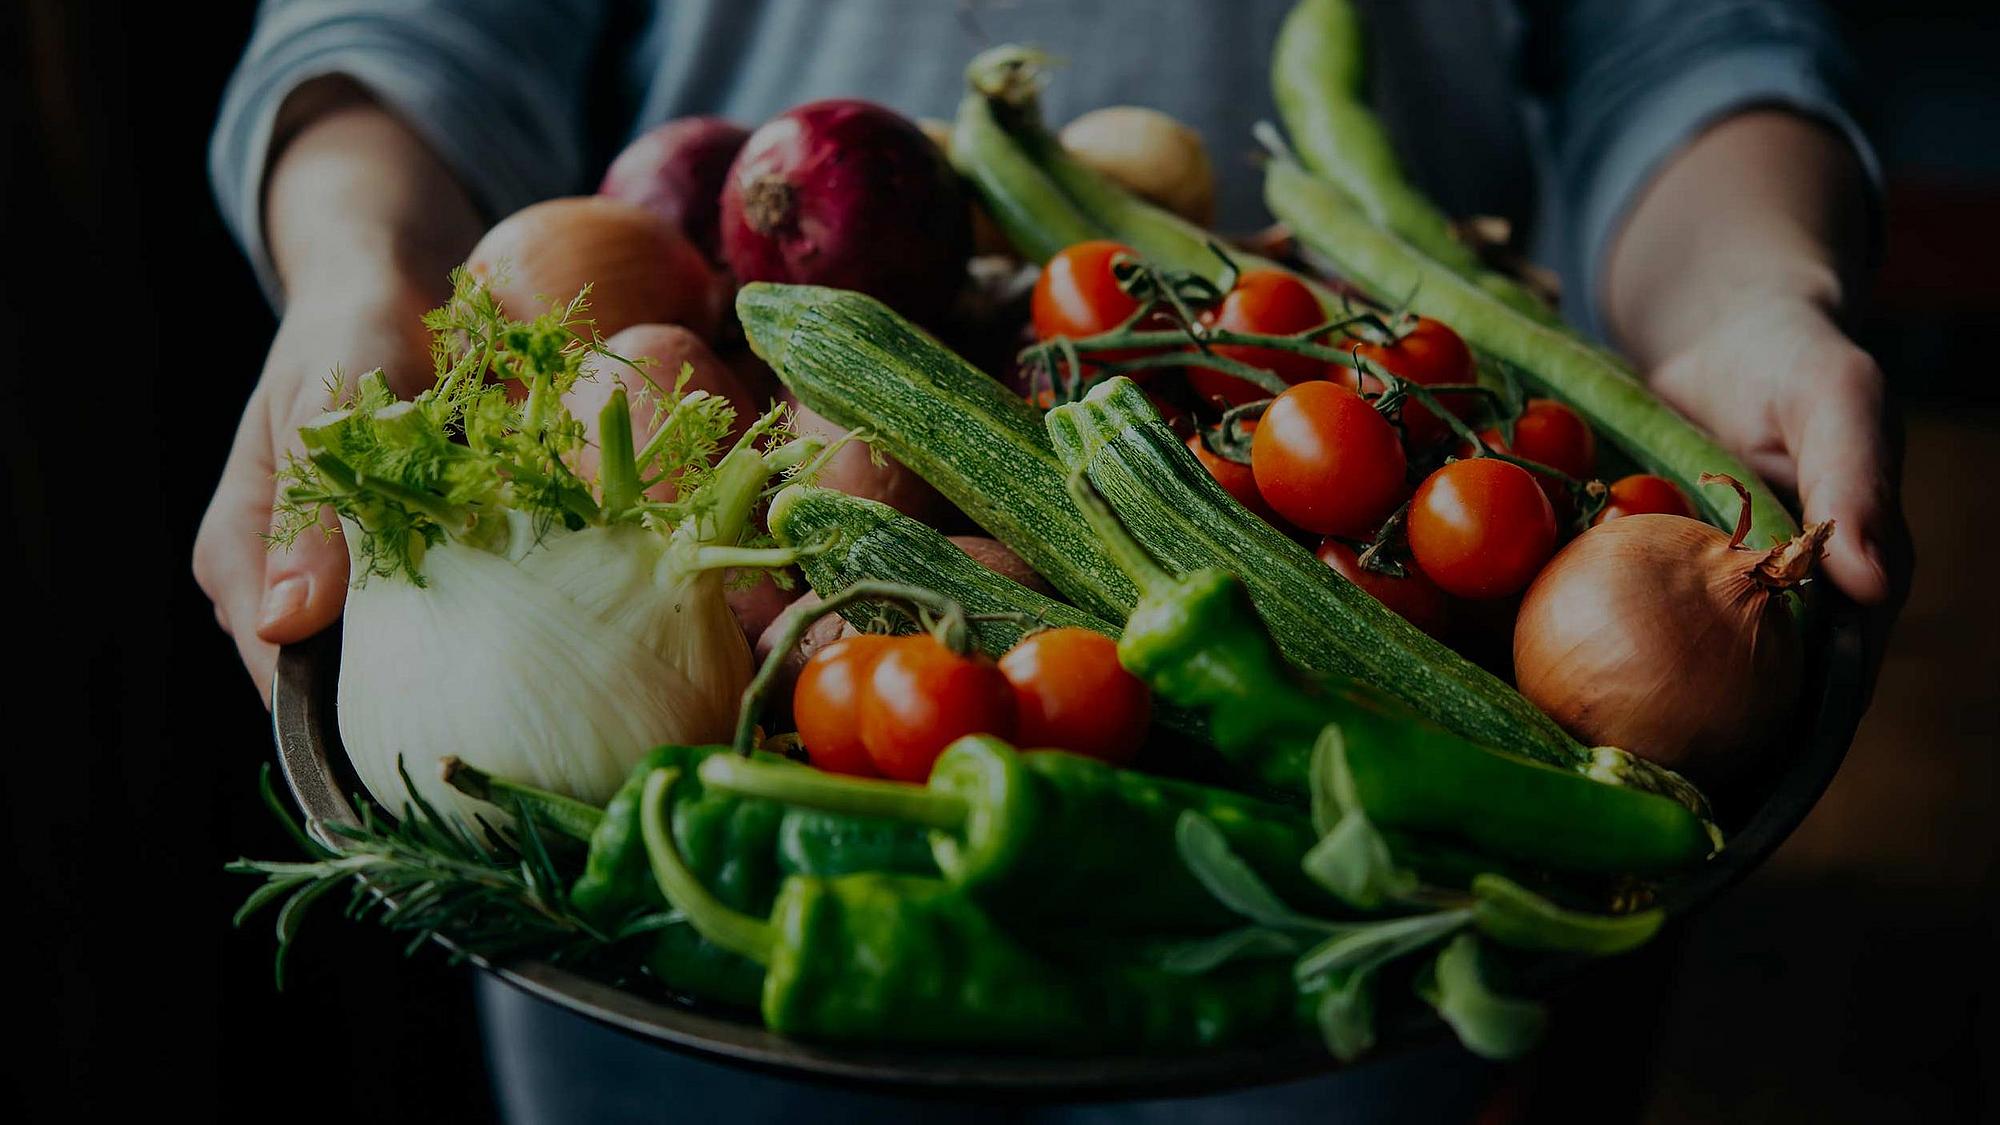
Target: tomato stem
(1375,556)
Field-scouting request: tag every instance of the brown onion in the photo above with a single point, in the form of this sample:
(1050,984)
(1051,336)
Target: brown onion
(1666,637)
(639,268)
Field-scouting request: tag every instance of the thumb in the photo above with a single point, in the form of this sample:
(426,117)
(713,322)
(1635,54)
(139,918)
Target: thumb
(305,584)
(1845,474)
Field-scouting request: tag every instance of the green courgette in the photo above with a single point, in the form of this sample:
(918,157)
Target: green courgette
(864,539)
(850,358)
(1550,360)
(1174,508)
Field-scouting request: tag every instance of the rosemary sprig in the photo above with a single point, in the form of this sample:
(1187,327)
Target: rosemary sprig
(429,875)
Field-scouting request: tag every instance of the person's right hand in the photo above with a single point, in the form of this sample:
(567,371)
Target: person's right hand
(266,596)
(364,224)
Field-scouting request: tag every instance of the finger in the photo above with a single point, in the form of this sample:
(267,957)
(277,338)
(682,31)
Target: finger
(1844,474)
(305,582)
(229,554)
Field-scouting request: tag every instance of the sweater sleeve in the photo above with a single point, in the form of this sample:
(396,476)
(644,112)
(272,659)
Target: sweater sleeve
(495,87)
(1625,84)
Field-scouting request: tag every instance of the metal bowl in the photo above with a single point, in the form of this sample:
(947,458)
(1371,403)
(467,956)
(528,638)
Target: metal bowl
(316,769)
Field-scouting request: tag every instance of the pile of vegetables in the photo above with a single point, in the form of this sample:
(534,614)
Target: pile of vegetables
(1217,739)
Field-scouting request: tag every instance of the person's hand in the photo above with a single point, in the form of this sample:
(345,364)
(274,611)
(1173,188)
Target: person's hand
(1778,383)
(266,597)
(1723,285)
(364,225)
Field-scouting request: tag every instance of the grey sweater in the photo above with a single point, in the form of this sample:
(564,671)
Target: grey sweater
(1551,113)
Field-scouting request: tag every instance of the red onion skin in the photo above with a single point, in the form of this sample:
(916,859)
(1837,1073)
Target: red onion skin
(1651,634)
(848,194)
(676,171)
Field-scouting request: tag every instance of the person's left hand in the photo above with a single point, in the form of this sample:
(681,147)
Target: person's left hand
(1779,384)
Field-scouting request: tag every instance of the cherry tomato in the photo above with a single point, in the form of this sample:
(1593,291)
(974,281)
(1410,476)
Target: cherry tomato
(1327,461)
(1552,434)
(826,703)
(1071,693)
(922,697)
(1269,303)
(1415,598)
(1481,528)
(1428,354)
(1077,296)
(1235,477)
(1641,493)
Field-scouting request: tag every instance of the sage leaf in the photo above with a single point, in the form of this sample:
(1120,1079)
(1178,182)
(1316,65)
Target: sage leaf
(1490,1024)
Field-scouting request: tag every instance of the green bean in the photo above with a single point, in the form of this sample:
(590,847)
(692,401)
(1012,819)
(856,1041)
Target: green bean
(1033,212)
(1553,361)
(1318,79)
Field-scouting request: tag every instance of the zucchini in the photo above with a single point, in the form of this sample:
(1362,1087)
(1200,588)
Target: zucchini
(1549,359)
(850,358)
(865,539)
(1321,621)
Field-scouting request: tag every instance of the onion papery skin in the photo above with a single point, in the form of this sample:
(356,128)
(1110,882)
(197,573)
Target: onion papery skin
(492,661)
(1651,634)
(639,267)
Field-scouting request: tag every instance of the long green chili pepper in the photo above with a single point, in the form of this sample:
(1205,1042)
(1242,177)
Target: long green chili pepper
(1318,80)
(1056,836)
(1196,639)
(742,847)
(906,959)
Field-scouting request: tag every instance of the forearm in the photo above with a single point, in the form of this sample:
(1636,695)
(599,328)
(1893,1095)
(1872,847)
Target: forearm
(356,201)
(1765,204)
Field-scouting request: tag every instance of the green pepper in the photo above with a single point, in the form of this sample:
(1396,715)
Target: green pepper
(741,847)
(1197,640)
(1056,836)
(907,959)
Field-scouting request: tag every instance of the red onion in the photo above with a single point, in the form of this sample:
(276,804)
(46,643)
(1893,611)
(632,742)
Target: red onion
(1666,637)
(676,171)
(848,194)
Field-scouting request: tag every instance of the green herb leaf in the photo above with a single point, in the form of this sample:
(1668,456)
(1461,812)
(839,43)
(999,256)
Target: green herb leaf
(1346,1014)
(1207,854)
(1490,1024)
(427,876)
(1521,919)
(1329,781)
(1370,945)
(1202,955)
(1355,864)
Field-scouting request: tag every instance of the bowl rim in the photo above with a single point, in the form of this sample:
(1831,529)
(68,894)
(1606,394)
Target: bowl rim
(307,741)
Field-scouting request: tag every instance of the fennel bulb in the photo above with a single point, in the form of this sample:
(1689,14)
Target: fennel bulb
(546,629)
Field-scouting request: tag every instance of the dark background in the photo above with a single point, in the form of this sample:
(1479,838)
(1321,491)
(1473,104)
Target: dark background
(131,331)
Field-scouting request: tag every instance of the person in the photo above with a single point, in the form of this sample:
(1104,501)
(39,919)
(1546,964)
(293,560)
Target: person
(1689,167)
